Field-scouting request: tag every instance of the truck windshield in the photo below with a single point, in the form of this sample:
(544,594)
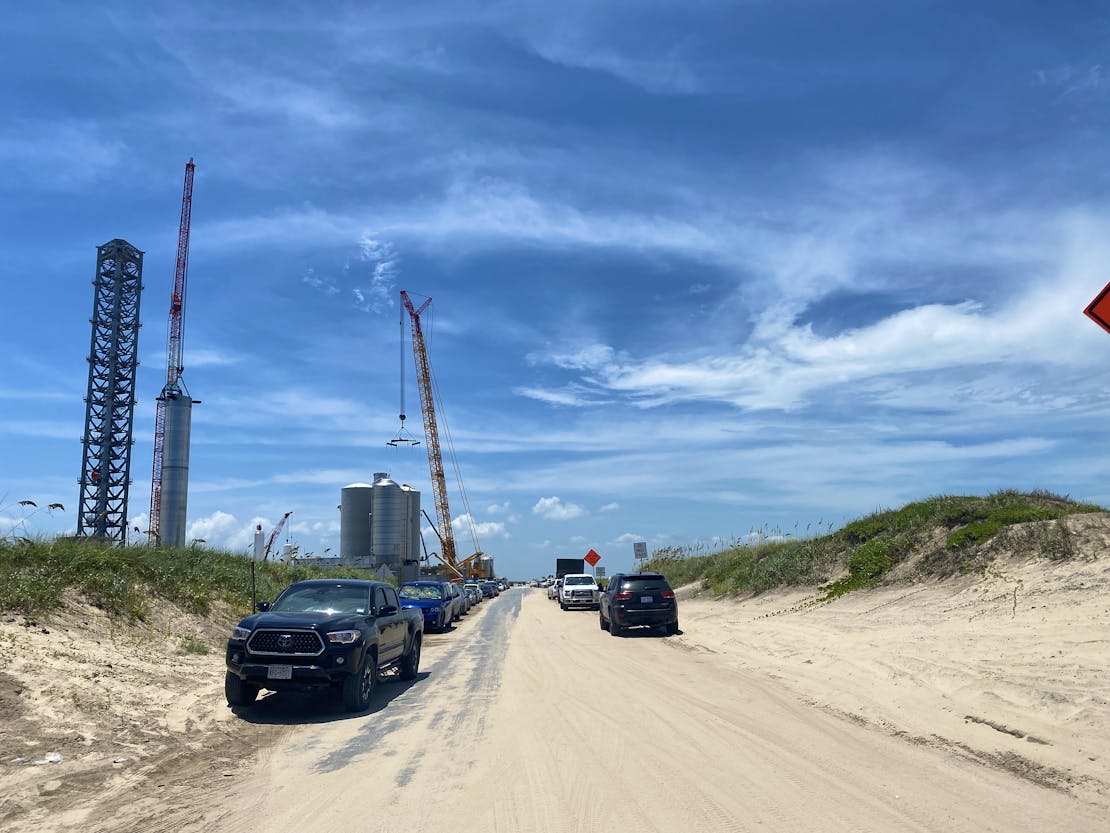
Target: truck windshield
(330,600)
(569,580)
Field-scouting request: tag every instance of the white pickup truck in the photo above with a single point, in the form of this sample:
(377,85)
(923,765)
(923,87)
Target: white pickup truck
(579,590)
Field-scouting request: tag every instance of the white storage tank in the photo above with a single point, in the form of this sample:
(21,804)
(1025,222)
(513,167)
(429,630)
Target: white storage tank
(355,506)
(410,559)
(175,469)
(389,523)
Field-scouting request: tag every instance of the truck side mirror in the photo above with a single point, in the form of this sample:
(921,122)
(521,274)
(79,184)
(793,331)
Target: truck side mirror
(387,610)
(262,607)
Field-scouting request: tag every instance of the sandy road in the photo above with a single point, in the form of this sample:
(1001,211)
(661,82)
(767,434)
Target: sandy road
(528,718)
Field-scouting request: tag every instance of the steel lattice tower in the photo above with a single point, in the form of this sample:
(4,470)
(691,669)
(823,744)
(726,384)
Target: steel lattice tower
(110,400)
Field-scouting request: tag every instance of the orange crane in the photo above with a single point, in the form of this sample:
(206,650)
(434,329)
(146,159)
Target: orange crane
(431,434)
(174,358)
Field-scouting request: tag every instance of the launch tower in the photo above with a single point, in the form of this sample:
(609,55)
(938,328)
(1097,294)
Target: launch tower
(110,399)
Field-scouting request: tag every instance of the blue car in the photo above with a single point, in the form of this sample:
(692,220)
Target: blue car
(433,598)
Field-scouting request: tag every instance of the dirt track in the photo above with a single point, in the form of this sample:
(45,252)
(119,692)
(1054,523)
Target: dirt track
(975,704)
(527,718)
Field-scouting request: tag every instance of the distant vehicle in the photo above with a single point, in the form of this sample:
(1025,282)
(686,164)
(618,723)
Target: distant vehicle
(474,591)
(567,566)
(434,601)
(337,633)
(553,588)
(578,590)
(632,599)
(460,604)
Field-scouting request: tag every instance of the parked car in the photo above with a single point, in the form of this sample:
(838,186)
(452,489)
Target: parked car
(459,600)
(474,591)
(632,599)
(494,590)
(553,590)
(578,590)
(321,633)
(433,599)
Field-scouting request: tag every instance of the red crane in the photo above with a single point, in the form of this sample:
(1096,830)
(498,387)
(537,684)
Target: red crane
(274,535)
(174,365)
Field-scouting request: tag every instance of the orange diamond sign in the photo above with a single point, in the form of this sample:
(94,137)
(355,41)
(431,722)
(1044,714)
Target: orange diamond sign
(592,558)
(1099,309)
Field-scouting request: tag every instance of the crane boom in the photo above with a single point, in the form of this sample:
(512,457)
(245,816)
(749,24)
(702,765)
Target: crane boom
(274,535)
(431,432)
(174,347)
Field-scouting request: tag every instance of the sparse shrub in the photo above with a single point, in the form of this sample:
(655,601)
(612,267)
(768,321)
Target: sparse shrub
(870,547)
(191,645)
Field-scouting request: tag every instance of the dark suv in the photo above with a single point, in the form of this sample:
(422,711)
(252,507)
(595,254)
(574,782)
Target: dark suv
(637,599)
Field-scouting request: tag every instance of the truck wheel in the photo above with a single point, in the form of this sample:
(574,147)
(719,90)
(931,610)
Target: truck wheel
(237,692)
(614,628)
(358,687)
(672,628)
(601,620)
(563,606)
(410,662)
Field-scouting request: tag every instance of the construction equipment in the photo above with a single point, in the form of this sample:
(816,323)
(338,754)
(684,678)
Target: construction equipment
(443,529)
(274,535)
(173,389)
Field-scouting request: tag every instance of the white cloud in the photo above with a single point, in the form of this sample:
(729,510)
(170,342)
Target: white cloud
(321,282)
(572,396)
(462,525)
(553,509)
(376,294)
(222,530)
(610,507)
(58,155)
(785,365)
(211,357)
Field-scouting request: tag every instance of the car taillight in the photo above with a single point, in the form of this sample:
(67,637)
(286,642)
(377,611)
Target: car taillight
(667,594)
(623,596)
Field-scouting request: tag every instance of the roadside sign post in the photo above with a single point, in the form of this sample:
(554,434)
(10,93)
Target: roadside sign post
(1099,309)
(592,558)
(639,551)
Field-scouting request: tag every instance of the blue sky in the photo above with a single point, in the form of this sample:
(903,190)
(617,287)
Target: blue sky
(698,269)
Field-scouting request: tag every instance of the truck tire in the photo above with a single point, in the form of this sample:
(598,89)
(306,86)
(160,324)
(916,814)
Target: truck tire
(614,628)
(410,662)
(563,606)
(237,692)
(601,620)
(672,628)
(359,687)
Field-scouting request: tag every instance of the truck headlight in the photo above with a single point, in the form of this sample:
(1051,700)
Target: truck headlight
(240,633)
(344,637)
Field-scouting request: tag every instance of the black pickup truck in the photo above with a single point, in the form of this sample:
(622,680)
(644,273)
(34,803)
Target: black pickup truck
(336,633)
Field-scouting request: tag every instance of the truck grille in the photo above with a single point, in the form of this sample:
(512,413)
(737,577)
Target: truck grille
(583,594)
(286,643)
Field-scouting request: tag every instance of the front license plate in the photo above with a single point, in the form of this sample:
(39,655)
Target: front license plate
(646,600)
(279,672)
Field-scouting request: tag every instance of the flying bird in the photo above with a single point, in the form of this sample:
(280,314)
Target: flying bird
(28,503)
(56,506)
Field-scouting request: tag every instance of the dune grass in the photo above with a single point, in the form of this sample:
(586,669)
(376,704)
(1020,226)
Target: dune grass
(37,576)
(863,552)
